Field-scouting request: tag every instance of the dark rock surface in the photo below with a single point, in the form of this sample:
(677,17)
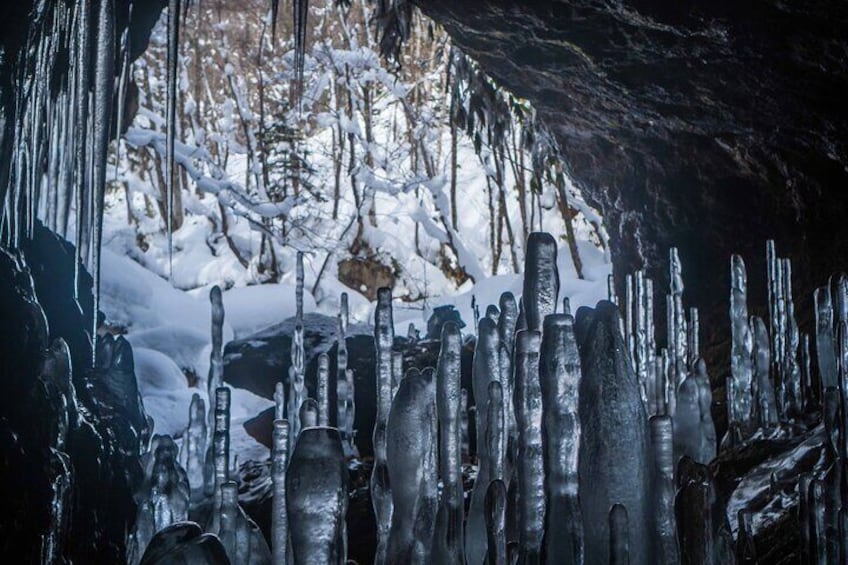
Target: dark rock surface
(707,126)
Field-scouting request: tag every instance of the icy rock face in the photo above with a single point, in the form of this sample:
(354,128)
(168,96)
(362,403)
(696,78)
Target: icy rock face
(412,465)
(559,375)
(613,454)
(381,492)
(541,279)
(448,541)
(530,472)
(317,497)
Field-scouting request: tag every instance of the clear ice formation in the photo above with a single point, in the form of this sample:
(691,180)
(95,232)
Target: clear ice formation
(279,515)
(559,376)
(495,524)
(317,498)
(496,431)
(448,540)
(677,325)
(218,454)
(296,380)
(694,430)
(619,539)
(530,472)
(173,65)
(762,391)
(397,370)
(163,498)
(216,356)
(323,390)
(541,279)
(485,369)
(663,492)
(241,537)
(825,341)
(381,493)
(463,425)
(184,542)
(344,389)
(412,464)
(739,383)
(194,444)
(614,464)
(279,401)
(309,413)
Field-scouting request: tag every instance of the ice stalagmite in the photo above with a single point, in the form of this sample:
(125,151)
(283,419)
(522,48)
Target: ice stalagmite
(241,537)
(694,431)
(486,368)
(216,359)
(791,341)
(495,524)
(677,336)
(541,279)
(663,491)
(397,370)
(825,343)
(559,375)
(279,401)
(323,390)
(317,498)
(613,454)
(496,431)
(447,544)
(381,493)
(766,404)
(530,471)
(693,512)
(506,334)
(296,382)
(194,444)
(308,413)
(693,339)
(619,539)
(344,389)
(463,425)
(611,295)
(411,455)
(279,516)
(507,320)
(218,455)
(739,383)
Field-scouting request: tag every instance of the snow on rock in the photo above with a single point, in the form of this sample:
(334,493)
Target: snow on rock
(252,308)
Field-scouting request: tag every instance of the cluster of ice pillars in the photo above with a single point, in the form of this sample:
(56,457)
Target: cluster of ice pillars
(592,444)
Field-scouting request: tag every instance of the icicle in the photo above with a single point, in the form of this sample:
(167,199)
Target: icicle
(411,456)
(530,464)
(806,374)
(559,376)
(447,545)
(216,356)
(792,371)
(219,453)
(298,293)
(486,368)
(344,391)
(195,444)
(677,320)
(279,516)
(344,313)
(629,322)
(640,335)
(381,494)
(301,9)
(506,334)
(739,383)
(541,279)
(619,540)
(323,390)
(773,285)
(397,370)
(171,123)
(613,454)
(275,9)
(279,401)
(662,443)
(350,415)
(123,81)
(296,381)
(825,346)
(493,313)
(611,295)
(495,524)
(317,498)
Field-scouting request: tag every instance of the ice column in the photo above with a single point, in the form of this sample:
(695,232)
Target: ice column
(530,471)
(219,452)
(613,454)
(296,383)
(411,456)
(323,390)
(766,405)
(677,332)
(739,383)
(694,431)
(662,443)
(825,346)
(559,376)
(496,431)
(541,279)
(791,370)
(317,498)
(194,444)
(216,359)
(381,494)
(308,413)
(486,368)
(448,546)
(279,517)
(495,524)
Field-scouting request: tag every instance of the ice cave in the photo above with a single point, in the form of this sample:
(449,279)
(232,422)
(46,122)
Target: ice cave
(423,281)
